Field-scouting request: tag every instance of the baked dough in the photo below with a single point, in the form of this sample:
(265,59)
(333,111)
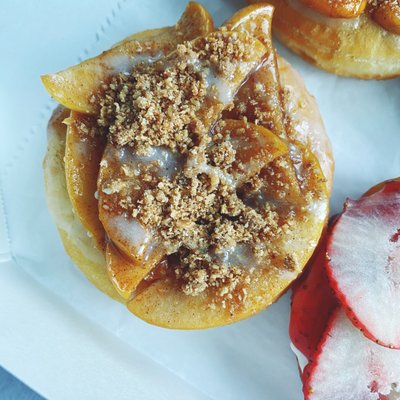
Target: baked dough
(156,301)
(356,47)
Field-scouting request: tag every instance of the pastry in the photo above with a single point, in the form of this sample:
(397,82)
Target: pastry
(188,170)
(355,38)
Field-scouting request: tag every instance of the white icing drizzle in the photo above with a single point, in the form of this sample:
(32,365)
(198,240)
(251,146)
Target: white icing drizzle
(218,87)
(203,167)
(217,172)
(132,232)
(124,63)
(297,160)
(318,208)
(239,256)
(168,163)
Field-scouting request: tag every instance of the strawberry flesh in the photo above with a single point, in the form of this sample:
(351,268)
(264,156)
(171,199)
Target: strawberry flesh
(364,266)
(349,366)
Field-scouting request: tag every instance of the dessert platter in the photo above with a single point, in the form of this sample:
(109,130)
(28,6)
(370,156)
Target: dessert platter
(189,172)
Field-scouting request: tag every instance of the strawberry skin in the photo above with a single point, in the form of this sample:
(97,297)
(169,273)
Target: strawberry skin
(313,301)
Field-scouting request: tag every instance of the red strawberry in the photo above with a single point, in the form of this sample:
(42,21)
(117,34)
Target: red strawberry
(364,265)
(348,366)
(312,304)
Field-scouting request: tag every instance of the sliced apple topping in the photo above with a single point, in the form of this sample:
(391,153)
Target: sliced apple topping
(126,274)
(254,146)
(83,152)
(266,107)
(263,86)
(77,87)
(162,114)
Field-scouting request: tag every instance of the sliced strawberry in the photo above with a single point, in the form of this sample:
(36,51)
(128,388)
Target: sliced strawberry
(312,304)
(349,366)
(364,266)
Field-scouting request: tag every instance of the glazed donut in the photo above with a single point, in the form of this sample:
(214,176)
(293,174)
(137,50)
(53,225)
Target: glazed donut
(354,38)
(207,213)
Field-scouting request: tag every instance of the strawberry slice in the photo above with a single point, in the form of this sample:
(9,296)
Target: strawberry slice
(349,366)
(364,266)
(313,302)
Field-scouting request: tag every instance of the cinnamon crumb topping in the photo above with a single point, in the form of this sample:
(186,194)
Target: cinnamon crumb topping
(158,104)
(206,214)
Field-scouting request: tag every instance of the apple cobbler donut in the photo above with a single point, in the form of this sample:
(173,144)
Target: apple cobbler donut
(201,175)
(356,38)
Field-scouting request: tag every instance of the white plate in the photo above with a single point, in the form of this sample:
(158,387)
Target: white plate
(57,332)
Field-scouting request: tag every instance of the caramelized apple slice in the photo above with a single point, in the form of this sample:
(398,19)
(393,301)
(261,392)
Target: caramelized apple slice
(259,99)
(76,86)
(254,19)
(79,246)
(263,86)
(196,21)
(125,274)
(119,183)
(337,9)
(255,147)
(278,186)
(83,153)
(387,14)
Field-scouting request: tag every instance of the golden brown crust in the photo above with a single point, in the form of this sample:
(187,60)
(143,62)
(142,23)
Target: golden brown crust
(356,47)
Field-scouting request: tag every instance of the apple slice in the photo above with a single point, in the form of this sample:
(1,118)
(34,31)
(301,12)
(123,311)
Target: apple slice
(255,147)
(263,86)
(76,87)
(313,302)
(387,14)
(364,266)
(260,100)
(196,21)
(337,9)
(125,274)
(83,153)
(349,366)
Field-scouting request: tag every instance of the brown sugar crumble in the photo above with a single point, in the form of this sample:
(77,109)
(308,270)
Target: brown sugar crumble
(201,214)
(165,103)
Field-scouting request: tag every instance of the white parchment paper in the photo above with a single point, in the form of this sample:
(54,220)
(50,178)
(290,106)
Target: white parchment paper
(248,360)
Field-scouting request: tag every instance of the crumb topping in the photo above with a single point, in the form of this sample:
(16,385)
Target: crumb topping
(202,216)
(163,103)
(212,213)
